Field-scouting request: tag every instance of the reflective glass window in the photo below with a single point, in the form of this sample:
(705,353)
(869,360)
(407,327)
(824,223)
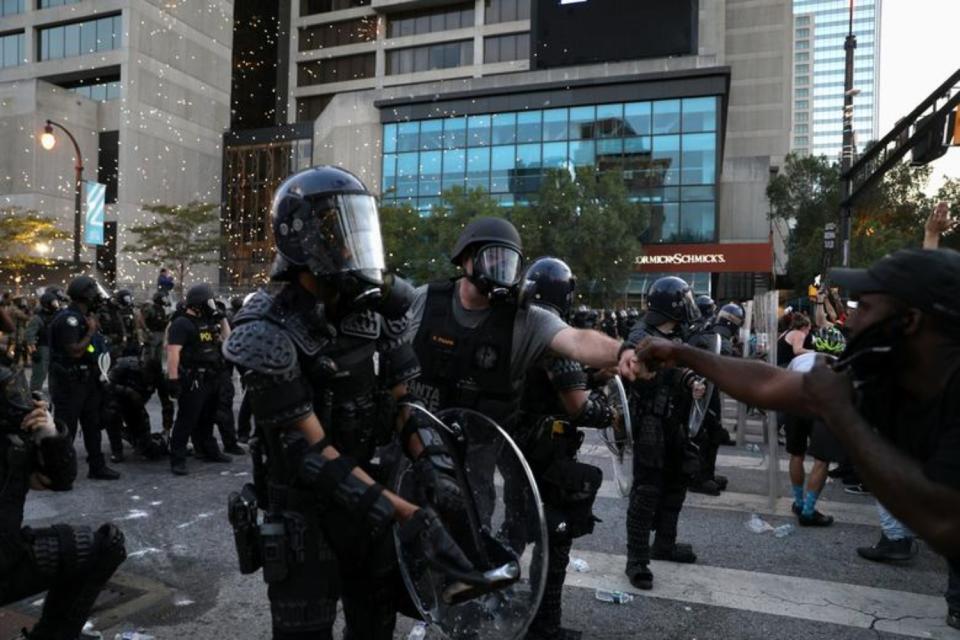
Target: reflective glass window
(407,171)
(478,131)
(700,114)
(431,164)
(582,123)
(408,134)
(636,116)
(583,153)
(431,134)
(554,124)
(666,158)
(555,155)
(666,116)
(502,164)
(454,132)
(454,167)
(504,128)
(699,158)
(389,174)
(528,168)
(697,221)
(478,168)
(609,121)
(529,128)
(389,138)
(609,147)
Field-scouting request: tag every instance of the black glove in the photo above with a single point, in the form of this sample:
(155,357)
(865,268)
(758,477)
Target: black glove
(437,480)
(173,388)
(424,535)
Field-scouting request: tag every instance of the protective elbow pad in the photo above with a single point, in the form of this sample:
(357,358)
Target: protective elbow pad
(333,478)
(595,413)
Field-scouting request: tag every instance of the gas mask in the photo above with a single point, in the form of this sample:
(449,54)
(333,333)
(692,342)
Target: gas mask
(496,272)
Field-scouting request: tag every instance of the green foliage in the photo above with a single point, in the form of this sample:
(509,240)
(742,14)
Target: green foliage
(181,236)
(21,232)
(588,221)
(889,217)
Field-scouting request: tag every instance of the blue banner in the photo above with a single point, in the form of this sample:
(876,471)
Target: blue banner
(93,229)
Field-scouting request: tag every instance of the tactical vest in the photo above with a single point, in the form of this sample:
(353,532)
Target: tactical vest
(155,317)
(204,352)
(464,367)
(111,324)
(129,322)
(58,354)
(43,337)
(657,396)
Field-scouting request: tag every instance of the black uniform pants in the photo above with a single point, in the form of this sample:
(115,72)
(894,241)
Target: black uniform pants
(226,425)
(125,412)
(244,419)
(77,398)
(659,488)
(709,439)
(546,622)
(72,564)
(196,411)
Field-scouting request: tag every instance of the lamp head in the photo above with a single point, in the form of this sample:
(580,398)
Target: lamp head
(47,140)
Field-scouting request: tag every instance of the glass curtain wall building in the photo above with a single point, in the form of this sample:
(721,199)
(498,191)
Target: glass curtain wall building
(820,28)
(665,150)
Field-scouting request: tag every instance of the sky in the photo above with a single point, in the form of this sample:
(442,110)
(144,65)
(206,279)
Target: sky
(919,49)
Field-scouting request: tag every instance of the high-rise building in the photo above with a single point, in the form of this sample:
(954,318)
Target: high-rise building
(143,86)
(819,30)
(688,100)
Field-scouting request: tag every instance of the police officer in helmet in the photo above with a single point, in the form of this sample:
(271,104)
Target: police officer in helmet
(556,401)
(38,329)
(194,364)
(70,563)
(662,461)
(75,387)
(155,319)
(325,368)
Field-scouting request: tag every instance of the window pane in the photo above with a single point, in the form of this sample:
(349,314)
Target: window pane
(528,168)
(664,223)
(528,126)
(56,43)
(11,51)
(389,138)
(504,128)
(503,162)
(88,37)
(555,155)
(666,116)
(700,114)
(407,172)
(430,173)
(582,123)
(454,166)
(697,221)
(389,181)
(478,131)
(555,124)
(582,153)
(407,135)
(71,40)
(478,168)
(491,50)
(104,35)
(117,31)
(666,158)
(609,121)
(699,158)
(637,119)
(609,147)
(431,134)
(454,133)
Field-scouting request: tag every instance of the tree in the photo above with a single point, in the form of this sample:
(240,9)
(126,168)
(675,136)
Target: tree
(182,236)
(25,237)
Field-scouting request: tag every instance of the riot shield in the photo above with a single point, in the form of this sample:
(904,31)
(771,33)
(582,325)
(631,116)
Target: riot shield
(699,407)
(501,529)
(619,435)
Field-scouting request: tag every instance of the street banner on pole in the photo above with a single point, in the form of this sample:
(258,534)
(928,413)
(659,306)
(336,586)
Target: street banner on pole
(93,229)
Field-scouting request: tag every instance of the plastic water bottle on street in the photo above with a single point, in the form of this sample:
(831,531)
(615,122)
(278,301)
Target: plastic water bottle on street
(756,524)
(783,531)
(133,635)
(614,597)
(419,631)
(579,565)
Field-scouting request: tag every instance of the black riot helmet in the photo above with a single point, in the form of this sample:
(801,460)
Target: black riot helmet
(236,303)
(494,246)
(670,298)
(49,302)
(200,298)
(732,315)
(706,305)
(123,298)
(584,317)
(88,291)
(549,281)
(325,221)
(160,298)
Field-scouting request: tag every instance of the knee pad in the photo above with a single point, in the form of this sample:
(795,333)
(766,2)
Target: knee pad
(110,544)
(62,549)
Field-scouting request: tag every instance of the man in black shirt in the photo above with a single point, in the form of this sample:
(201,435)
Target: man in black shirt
(899,376)
(194,364)
(75,387)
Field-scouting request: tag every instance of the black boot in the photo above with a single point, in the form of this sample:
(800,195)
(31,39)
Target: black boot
(676,552)
(721,482)
(178,467)
(640,577)
(708,487)
(887,550)
(103,472)
(953,618)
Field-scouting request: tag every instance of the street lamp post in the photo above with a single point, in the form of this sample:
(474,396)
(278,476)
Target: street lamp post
(49,141)
(846,158)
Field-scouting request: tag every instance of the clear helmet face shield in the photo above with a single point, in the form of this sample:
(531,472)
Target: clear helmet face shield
(499,264)
(689,311)
(341,235)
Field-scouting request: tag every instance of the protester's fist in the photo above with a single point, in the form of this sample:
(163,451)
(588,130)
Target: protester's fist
(826,391)
(939,222)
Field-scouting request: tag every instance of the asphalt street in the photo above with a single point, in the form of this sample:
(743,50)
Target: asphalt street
(181,578)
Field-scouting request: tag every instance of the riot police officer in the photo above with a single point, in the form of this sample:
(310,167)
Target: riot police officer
(38,330)
(75,387)
(72,564)
(663,461)
(130,385)
(584,318)
(323,366)
(726,325)
(132,321)
(555,402)
(119,326)
(155,320)
(194,365)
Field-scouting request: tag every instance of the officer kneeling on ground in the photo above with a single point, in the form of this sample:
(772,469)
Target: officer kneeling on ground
(72,564)
(194,366)
(892,400)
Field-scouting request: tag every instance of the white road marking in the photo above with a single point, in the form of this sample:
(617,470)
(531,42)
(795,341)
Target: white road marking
(898,612)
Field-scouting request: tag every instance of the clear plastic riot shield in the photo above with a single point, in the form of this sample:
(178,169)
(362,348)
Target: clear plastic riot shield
(619,435)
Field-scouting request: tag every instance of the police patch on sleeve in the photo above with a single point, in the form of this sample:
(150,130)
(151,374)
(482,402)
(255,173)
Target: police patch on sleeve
(72,321)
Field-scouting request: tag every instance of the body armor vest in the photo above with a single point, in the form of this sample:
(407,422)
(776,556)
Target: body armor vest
(155,317)
(464,367)
(43,336)
(58,353)
(205,352)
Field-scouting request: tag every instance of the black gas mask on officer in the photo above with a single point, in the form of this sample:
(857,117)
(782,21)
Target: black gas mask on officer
(493,248)
(200,298)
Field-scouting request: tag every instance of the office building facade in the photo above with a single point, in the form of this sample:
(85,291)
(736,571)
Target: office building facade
(144,87)
(418,97)
(820,29)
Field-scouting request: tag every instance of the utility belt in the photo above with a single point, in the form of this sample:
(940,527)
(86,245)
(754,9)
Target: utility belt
(73,371)
(276,543)
(544,440)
